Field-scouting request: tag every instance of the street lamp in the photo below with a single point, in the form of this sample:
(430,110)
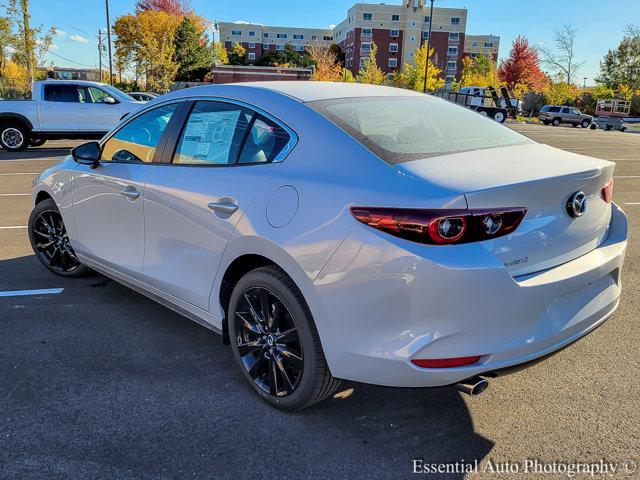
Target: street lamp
(426,61)
(109,44)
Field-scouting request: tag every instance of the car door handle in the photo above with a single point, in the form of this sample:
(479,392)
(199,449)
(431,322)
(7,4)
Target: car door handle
(224,206)
(132,194)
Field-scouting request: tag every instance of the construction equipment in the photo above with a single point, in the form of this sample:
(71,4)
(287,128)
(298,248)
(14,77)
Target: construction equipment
(610,114)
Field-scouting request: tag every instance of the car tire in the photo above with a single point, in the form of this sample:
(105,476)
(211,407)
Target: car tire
(37,142)
(575,125)
(545,122)
(275,341)
(14,137)
(585,124)
(50,242)
(555,122)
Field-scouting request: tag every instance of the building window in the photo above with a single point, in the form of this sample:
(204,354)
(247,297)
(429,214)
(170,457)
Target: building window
(455,20)
(474,55)
(366,32)
(298,37)
(395,18)
(425,35)
(395,33)
(299,48)
(266,35)
(454,36)
(393,47)
(413,39)
(327,38)
(393,62)
(450,79)
(252,33)
(452,65)
(365,47)
(452,51)
(488,45)
(313,37)
(236,32)
(281,35)
(362,60)
(252,45)
(474,44)
(279,47)
(251,56)
(427,19)
(367,16)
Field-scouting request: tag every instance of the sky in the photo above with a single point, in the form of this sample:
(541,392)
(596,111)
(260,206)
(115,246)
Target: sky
(600,24)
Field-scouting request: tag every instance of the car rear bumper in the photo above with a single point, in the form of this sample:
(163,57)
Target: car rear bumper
(381,302)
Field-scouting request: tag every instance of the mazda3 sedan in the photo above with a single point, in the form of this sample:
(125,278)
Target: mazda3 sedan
(342,231)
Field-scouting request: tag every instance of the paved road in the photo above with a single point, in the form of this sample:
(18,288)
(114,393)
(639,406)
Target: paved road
(99,382)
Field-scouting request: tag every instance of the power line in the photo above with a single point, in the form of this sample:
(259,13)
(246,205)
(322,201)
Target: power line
(68,59)
(78,29)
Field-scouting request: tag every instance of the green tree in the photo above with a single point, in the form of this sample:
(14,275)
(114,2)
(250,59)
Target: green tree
(480,71)
(289,57)
(412,76)
(236,55)
(620,68)
(371,72)
(192,52)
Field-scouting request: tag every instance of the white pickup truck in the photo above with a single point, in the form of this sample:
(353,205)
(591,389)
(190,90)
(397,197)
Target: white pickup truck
(62,109)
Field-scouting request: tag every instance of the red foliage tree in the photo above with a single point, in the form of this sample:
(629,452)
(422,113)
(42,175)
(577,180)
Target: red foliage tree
(522,67)
(173,7)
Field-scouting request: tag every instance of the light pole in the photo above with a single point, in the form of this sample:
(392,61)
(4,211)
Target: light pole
(426,60)
(109,44)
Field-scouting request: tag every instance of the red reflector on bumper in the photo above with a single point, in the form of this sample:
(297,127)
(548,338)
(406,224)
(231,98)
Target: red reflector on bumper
(445,362)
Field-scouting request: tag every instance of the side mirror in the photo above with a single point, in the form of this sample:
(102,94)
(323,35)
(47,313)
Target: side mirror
(87,154)
(109,100)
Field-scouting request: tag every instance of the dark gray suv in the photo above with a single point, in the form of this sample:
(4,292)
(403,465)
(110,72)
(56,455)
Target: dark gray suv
(555,115)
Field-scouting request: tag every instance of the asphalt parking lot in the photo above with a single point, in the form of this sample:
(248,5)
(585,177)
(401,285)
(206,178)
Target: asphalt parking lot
(99,382)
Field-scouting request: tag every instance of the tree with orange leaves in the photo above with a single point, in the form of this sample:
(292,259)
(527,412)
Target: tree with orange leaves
(521,70)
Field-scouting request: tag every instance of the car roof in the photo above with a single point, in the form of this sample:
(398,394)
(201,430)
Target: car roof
(306,91)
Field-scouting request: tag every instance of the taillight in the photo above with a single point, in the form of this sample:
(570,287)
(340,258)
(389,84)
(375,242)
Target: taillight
(441,227)
(607,191)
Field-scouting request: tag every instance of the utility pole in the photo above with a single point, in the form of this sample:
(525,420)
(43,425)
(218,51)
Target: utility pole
(426,61)
(109,44)
(29,43)
(100,53)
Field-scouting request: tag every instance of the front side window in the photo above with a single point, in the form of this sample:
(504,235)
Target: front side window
(61,93)
(137,141)
(575,111)
(92,95)
(402,129)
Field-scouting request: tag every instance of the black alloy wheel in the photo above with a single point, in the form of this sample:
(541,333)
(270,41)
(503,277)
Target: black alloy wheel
(50,241)
(268,342)
(275,341)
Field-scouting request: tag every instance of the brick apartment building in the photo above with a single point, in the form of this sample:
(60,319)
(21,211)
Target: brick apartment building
(397,30)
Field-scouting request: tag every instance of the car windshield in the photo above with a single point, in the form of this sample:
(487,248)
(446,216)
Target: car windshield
(402,129)
(117,94)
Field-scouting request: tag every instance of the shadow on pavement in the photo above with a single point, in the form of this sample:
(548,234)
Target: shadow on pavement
(101,382)
(33,153)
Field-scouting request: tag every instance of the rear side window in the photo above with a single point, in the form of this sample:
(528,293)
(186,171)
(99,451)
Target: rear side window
(218,133)
(61,93)
(554,109)
(402,129)
(137,141)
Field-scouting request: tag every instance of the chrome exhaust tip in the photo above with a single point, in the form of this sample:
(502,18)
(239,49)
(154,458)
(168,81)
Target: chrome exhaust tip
(474,386)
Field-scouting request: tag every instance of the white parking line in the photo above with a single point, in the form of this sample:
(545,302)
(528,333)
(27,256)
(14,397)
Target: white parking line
(7,174)
(632,203)
(23,293)
(628,176)
(13,227)
(14,194)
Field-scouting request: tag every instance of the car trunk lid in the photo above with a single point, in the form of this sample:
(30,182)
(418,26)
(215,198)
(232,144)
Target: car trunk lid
(535,176)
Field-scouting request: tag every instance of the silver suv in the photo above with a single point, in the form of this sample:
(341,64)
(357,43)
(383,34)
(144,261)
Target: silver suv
(555,115)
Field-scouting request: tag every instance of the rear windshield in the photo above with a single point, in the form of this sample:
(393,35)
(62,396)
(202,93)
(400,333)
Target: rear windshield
(401,129)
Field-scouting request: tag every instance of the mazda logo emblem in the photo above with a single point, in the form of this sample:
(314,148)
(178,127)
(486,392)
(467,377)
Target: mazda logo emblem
(577,204)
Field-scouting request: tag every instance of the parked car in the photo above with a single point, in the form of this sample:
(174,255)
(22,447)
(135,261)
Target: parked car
(143,96)
(62,109)
(555,115)
(342,231)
